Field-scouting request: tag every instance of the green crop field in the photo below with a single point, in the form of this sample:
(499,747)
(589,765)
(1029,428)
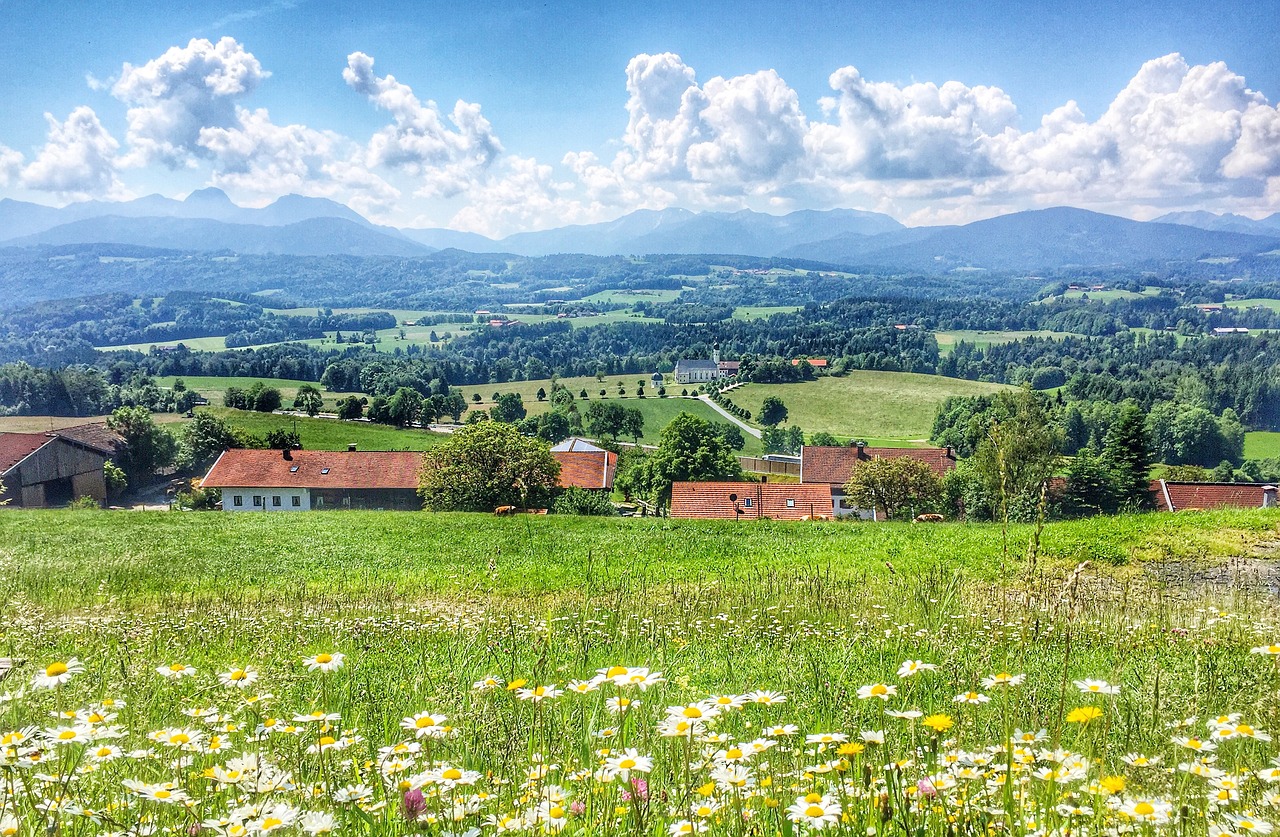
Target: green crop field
(947,340)
(1273,304)
(892,407)
(387,673)
(1261,444)
(759,312)
(332,434)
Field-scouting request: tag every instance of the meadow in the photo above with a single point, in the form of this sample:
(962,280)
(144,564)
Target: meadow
(331,434)
(893,408)
(1261,444)
(947,340)
(402,673)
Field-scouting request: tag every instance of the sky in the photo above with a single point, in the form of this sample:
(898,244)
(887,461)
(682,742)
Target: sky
(501,117)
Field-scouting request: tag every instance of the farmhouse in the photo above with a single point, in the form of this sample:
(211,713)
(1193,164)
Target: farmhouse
(300,480)
(831,466)
(584,465)
(1181,496)
(40,470)
(749,500)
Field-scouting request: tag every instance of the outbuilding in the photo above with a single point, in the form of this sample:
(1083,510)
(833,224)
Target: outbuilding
(43,470)
(303,480)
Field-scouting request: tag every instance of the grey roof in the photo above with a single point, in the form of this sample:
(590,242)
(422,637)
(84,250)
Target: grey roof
(695,365)
(576,443)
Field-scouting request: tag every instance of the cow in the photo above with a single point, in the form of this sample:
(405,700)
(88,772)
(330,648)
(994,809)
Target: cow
(504,511)
(928,518)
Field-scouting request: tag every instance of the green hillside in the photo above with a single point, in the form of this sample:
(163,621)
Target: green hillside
(892,407)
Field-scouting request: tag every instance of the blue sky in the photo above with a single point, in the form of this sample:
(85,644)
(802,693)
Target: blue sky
(578,112)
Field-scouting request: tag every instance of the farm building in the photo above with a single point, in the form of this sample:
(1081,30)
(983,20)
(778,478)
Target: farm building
(301,480)
(40,470)
(584,465)
(1182,496)
(831,466)
(749,500)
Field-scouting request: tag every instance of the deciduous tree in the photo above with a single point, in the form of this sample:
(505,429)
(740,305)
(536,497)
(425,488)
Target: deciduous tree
(486,465)
(896,485)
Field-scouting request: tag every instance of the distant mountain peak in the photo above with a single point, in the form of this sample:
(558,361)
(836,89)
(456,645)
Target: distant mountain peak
(209,195)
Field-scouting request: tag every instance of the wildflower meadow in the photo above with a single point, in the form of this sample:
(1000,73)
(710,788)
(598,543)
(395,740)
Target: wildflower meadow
(765,698)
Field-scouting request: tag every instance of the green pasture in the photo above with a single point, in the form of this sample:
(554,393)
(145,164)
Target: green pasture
(947,340)
(330,433)
(894,407)
(1261,444)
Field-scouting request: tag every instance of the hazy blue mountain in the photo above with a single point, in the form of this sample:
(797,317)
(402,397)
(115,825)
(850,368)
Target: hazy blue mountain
(680,231)
(311,237)
(1032,240)
(1224,223)
(444,239)
(604,239)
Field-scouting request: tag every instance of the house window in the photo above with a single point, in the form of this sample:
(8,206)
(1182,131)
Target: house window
(791,504)
(324,470)
(237,500)
(746,501)
(275,500)
(257,500)
(293,469)
(297,501)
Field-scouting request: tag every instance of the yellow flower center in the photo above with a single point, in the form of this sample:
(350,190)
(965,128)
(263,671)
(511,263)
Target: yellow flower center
(627,764)
(324,659)
(692,712)
(814,811)
(813,797)
(1144,809)
(733,753)
(67,734)
(271,822)
(615,671)
(423,723)
(238,674)
(55,670)
(163,794)
(453,774)
(556,813)
(879,689)
(177,667)
(327,741)
(180,738)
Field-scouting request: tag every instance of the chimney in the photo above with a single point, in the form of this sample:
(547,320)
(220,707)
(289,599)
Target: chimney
(351,447)
(286,453)
(862,448)
(951,454)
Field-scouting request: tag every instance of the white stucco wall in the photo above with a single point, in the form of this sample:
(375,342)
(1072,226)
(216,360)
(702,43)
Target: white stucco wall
(246,496)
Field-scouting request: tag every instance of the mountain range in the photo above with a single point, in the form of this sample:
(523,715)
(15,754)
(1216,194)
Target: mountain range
(207,220)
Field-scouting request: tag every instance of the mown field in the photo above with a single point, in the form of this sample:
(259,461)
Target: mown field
(398,673)
(947,340)
(331,434)
(1261,444)
(882,407)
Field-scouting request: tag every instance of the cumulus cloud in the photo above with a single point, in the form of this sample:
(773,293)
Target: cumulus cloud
(726,135)
(418,142)
(10,165)
(174,97)
(260,157)
(78,160)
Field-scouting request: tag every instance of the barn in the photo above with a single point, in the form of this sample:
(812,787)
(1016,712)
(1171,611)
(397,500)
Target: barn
(42,470)
(301,480)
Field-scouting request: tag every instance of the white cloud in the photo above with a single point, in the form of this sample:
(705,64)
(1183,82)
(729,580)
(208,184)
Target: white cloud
(10,165)
(77,161)
(186,90)
(260,157)
(418,142)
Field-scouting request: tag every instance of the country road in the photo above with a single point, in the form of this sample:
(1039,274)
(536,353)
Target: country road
(713,405)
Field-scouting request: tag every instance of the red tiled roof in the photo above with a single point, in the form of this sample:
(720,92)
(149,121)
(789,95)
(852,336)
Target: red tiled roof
(1179,496)
(831,465)
(815,362)
(586,469)
(240,468)
(15,447)
(710,500)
